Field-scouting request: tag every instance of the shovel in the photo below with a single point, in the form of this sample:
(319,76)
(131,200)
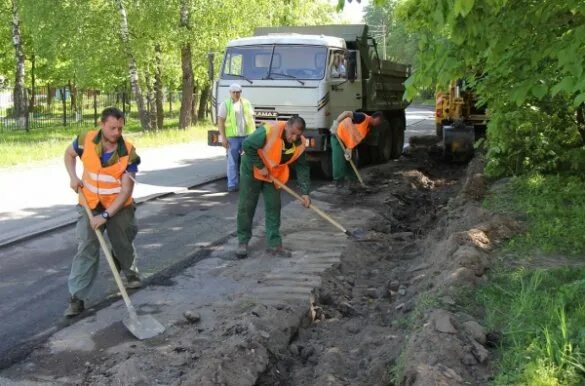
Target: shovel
(353,235)
(141,326)
(352,164)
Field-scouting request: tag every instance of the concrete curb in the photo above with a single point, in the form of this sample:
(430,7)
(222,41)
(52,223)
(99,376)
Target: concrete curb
(68,222)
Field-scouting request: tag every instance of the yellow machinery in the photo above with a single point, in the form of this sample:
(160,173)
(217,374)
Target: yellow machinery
(458,121)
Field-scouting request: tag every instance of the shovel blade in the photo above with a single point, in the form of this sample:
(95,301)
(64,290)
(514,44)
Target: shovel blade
(143,326)
(357,234)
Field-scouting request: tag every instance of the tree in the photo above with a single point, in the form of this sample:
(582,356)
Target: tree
(524,59)
(20,103)
(187,68)
(134,80)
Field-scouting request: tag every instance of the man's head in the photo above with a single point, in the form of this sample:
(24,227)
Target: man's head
(235,91)
(377,118)
(112,122)
(295,126)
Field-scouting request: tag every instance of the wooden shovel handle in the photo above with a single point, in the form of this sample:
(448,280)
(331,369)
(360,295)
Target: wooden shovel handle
(311,206)
(109,258)
(352,164)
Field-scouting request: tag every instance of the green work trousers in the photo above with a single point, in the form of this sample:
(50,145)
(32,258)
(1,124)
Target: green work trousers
(121,230)
(250,189)
(342,170)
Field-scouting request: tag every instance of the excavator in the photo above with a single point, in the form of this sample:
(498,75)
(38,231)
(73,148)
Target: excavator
(459,122)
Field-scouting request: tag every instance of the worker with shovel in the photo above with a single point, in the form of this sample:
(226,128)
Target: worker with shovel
(268,153)
(348,131)
(109,165)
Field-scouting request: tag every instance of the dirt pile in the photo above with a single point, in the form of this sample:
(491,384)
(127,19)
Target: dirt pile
(387,314)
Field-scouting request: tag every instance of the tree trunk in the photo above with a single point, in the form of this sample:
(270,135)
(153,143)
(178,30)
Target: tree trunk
(202,113)
(150,102)
(134,81)
(20,103)
(581,122)
(73,91)
(158,87)
(64,104)
(49,97)
(194,104)
(186,116)
(31,105)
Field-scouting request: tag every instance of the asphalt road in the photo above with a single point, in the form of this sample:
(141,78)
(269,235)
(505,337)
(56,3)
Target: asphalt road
(174,232)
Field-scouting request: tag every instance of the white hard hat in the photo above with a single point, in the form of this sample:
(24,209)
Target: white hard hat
(234,87)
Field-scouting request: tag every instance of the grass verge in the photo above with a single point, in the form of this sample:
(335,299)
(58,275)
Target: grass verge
(19,147)
(539,308)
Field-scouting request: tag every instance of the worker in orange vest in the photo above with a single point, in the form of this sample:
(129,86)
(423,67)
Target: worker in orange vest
(109,165)
(350,128)
(268,153)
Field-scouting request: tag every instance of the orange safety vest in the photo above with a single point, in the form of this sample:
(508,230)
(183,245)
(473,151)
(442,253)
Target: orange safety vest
(271,154)
(351,134)
(101,185)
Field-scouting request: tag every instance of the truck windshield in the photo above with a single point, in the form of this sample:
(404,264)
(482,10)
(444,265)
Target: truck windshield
(275,61)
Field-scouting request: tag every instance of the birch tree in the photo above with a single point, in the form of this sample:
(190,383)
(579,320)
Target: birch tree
(186,67)
(20,102)
(133,70)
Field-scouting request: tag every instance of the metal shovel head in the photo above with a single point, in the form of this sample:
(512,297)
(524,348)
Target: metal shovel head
(143,326)
(356,234)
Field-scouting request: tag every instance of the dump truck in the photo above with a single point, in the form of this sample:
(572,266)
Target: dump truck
(317,72)
(459,121)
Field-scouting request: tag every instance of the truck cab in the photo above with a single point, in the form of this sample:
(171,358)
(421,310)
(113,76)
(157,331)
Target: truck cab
(315,76)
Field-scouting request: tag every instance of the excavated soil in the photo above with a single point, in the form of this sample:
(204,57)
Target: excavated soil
(386,314)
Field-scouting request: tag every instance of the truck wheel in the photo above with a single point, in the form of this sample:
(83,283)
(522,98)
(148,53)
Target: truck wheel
(398,126)
(385,142)
(326,165)
(398,145)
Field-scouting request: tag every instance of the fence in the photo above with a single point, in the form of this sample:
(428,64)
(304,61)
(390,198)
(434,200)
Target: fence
(65,106)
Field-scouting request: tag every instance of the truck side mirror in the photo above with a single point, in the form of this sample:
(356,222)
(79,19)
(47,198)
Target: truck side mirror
(352,66)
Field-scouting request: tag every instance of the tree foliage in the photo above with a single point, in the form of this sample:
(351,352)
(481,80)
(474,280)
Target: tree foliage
(523,57)
(79,42)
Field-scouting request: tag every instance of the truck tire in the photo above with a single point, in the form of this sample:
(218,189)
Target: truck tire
(385,142)
(398,126)
(326,165)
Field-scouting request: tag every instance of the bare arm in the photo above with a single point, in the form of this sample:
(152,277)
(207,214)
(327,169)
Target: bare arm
(70,160)
(343,115)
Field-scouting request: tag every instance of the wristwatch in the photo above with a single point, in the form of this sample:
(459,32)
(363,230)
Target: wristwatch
(106,215)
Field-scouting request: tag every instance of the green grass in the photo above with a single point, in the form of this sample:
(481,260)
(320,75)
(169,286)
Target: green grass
(541,314)
(19,147)
(554,207)
(540,311)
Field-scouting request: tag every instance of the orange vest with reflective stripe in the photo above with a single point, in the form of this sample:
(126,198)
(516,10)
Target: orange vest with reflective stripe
(102,184)
(271,154)
(351,134)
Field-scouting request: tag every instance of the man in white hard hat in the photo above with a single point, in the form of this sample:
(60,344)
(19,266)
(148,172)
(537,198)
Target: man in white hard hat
(235,120)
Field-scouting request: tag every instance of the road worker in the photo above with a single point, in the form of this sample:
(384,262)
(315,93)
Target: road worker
(350,128)
(235,121)
(268,153)
(109,165)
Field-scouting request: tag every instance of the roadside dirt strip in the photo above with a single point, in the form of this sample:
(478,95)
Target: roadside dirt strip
(339,312)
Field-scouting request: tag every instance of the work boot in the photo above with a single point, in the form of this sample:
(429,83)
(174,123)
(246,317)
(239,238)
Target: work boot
(133,281)
(279,252)
(242,251)
(75,307)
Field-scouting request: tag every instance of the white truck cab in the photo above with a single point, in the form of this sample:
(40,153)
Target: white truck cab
(285,73)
